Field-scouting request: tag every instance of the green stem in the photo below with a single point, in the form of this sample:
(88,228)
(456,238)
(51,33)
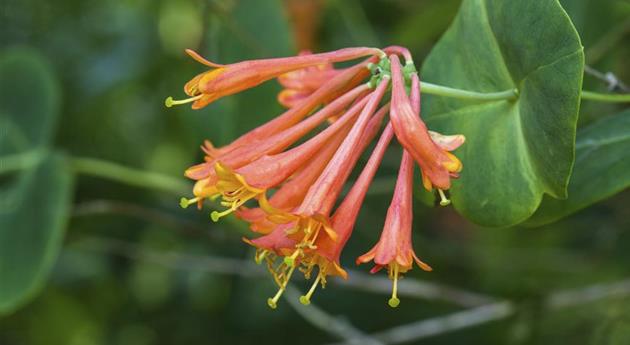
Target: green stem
(112,171)
(439,90)
(20,161)
(134,177)
(445,91)
(606,97)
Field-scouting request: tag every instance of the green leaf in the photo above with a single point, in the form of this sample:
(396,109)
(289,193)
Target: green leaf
(602,162)
(515,150)
(29,100)
(32,222)
(33,203)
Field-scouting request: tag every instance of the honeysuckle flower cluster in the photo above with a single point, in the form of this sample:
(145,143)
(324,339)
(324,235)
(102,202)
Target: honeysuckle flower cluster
(287,188)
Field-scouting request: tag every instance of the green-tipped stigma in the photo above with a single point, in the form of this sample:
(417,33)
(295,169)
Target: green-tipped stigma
(394,301)
(273,302)
(216,215)
(169,101)
(444,201)
(184,202)
(306,299)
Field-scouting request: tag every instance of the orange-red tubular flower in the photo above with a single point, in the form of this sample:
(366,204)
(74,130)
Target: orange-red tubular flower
(306,223)
(331,89)
(344,218)
(224,80)
(252,180)
(301,83)
(205,173)
(437,164)
(394,249)
(279,241)
(292,193)
(274,143)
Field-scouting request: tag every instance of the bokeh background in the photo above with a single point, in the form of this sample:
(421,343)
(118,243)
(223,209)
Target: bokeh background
(136,269)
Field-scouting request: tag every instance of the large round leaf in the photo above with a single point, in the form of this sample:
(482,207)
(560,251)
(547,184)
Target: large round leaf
(602,163)
(29,100)
(32,222)
(515,150)
(34,202)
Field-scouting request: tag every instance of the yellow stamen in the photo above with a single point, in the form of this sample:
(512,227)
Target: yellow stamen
(260,256)
(273,302)
(169,102)
(306,299)
(394,301)
(444,200)
(184,203)
(234,190)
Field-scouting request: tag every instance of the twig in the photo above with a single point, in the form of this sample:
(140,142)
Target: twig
(569,298)
(97,207)
(485,313)
(439,325)
(496,311)
(410,287)
(336,326)
(613,82)
(360,281)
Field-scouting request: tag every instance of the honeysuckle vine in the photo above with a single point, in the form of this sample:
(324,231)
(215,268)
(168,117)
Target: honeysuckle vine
(287,192)
(310,89)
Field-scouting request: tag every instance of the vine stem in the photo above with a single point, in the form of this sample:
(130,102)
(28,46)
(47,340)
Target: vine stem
(439,90)
(99,168)
(130,176)
(112,171)
(606,97)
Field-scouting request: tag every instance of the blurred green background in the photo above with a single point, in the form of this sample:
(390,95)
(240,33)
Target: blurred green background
(136,269)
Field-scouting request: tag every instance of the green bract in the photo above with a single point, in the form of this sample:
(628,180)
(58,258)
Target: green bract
(518,150)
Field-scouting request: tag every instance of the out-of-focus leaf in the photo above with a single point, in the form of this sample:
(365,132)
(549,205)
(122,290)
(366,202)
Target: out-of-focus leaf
(34,204)
(602,166)
(424,23)
(515,150)
(29,101)
(33,214)
(180,26)
(241,30)
(594,19)
(614,329)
